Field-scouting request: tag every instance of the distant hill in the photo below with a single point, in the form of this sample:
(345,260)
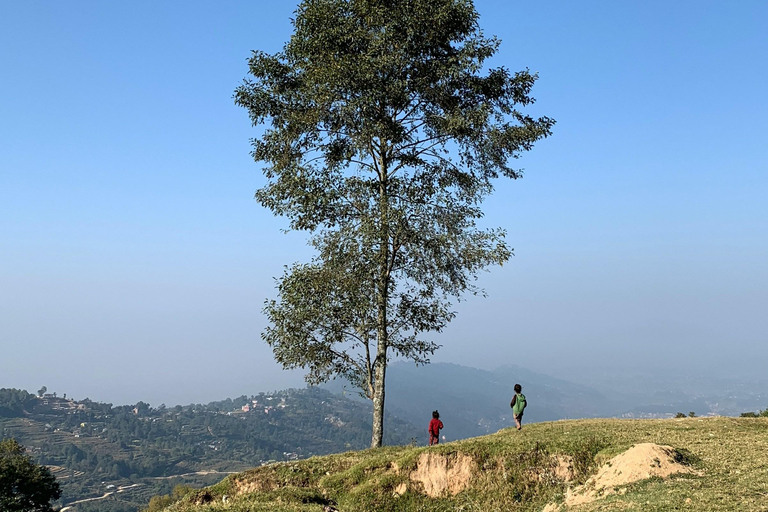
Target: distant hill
(115,458)
(475,402)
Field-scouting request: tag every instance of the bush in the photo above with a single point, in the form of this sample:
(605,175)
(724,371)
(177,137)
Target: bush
(680,415)
(24,485)
(158,503)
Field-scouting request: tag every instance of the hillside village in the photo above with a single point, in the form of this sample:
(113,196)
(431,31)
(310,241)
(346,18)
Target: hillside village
(136,451)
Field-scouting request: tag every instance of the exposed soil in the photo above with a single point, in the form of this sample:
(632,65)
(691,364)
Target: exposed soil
(250,484)
(439,474)
(563,469)
(640,462)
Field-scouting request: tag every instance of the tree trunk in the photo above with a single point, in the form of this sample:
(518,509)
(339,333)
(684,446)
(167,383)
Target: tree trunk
(382,300)
(377,436)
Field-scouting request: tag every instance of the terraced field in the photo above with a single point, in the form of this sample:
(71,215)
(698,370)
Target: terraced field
(113,459)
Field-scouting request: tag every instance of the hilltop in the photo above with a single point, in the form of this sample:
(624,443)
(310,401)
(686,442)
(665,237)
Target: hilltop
(714,464)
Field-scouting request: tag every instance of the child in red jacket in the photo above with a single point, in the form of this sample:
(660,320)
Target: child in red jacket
(434,428)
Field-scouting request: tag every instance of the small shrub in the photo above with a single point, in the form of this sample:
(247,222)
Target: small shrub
(749,415)
(158,503)
(686,457)
(584,456)
(680,415)
(691,414)
(523,472)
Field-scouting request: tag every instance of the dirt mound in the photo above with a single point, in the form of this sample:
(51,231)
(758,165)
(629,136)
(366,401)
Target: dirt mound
(440,473)
(640,462)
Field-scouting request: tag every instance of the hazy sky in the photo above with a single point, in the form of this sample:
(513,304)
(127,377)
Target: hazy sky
(134,261)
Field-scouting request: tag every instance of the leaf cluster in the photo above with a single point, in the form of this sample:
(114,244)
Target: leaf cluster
(24,485)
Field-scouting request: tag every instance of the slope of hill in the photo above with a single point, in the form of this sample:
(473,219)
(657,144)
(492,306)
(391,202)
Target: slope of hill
(713,464)
(115,458)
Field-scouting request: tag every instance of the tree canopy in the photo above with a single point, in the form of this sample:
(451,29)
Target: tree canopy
(24,485)
(384,133)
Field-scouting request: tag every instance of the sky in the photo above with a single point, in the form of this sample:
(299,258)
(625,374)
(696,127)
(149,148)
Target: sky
(134,261)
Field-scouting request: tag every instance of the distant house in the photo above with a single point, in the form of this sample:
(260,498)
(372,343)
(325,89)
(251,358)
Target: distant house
(246,408)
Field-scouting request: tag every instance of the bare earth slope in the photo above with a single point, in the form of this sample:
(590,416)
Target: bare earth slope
(717,464)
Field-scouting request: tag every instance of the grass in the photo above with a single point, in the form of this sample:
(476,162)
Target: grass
(732,454)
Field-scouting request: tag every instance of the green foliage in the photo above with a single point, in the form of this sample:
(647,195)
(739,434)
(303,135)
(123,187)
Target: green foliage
(680,415)
(691,414)
(583,454)
(385,133)
(158,503)
(686,457)
(759,414)
(24,485)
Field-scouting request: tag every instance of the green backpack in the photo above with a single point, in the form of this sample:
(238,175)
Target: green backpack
(520,404)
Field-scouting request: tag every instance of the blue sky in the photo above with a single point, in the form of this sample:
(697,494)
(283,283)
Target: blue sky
(134,261)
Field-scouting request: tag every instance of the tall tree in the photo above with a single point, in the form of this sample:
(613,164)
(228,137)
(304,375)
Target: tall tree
(384,133)
(24,485)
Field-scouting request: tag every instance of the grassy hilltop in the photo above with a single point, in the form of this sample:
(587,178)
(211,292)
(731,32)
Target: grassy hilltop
(723,465)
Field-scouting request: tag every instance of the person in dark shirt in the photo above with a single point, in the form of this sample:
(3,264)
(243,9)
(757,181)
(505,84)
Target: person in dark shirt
(434,428)
(518,405)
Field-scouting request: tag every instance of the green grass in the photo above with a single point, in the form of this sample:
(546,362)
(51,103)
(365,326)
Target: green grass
(732,454)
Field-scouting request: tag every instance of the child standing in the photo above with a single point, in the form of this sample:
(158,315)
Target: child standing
(434,428)
(518,404)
